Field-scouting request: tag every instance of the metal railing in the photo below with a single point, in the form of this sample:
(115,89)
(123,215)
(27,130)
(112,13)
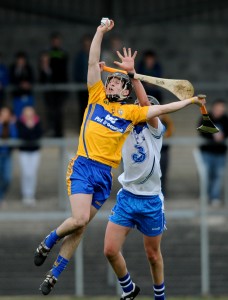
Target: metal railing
(74,87)
(64,143)
(205,273)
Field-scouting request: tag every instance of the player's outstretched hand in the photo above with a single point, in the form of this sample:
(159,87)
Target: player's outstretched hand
(127,60)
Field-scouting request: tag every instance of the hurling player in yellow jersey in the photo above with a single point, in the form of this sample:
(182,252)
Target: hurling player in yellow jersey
(106,124)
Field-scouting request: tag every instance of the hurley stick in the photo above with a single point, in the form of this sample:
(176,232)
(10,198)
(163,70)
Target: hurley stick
(182,89)
(207,125)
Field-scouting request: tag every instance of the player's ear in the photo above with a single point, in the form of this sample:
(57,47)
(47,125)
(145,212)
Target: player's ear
(126,92)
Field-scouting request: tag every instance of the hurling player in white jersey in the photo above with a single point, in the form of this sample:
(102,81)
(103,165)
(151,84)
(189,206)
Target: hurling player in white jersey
(141,157)
(139,204)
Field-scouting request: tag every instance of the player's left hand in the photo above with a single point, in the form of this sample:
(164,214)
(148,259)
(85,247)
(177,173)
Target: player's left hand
(127,60)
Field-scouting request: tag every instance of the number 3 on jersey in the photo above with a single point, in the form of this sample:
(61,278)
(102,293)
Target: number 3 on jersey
(140,155)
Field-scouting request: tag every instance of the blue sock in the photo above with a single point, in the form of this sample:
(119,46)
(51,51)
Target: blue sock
(51,239)
(126,283)
(159,292)
(59,266)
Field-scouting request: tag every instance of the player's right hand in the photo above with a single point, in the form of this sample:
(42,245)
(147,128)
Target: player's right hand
(107,27)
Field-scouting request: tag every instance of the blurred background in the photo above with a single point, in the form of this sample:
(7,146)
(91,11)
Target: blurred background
(43,64)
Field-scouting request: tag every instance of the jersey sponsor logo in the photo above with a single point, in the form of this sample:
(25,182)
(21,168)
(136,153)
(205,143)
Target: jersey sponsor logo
(111,119)
(105,118)
(108,122)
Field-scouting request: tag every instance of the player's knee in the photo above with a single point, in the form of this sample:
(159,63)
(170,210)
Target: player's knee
(110,252)
(153,255)
(80,223)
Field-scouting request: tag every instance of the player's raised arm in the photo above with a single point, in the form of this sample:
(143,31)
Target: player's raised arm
(95,51)
(128,64)
(157,110)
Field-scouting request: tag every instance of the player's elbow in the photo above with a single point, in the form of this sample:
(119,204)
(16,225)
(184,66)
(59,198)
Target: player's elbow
(154,111)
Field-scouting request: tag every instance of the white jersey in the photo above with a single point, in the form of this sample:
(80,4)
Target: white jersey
(141,160)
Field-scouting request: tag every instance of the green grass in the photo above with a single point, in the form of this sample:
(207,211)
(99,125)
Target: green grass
(103,298)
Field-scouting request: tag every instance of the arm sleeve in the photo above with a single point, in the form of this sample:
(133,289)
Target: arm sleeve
(96,93)
(157,132)
(137,114)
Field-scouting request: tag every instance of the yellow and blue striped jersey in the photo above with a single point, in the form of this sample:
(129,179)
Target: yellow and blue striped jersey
(106,126)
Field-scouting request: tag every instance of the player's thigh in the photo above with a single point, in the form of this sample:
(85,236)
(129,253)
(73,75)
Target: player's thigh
(93,212)
(152,243)
(81,206)
(115,236)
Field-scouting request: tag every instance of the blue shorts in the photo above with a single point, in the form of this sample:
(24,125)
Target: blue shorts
(86,176)
(143,212)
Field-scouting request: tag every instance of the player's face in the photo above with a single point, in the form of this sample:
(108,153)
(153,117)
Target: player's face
(115,86)
(5,115)
(21,61)
(218,110)
(28,113)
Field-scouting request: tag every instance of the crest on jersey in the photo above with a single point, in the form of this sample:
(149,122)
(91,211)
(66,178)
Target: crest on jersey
(120,112)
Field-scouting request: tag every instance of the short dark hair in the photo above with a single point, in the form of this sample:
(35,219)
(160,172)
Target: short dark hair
(150,53)
(21,54)
(218,101)
(55,35)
